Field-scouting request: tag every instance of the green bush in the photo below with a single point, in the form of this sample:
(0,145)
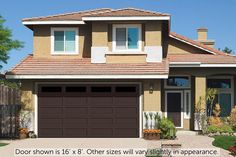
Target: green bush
(167,128)
(221,129)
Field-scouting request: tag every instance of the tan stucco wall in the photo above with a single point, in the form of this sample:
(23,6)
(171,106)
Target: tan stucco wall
(177,47)
(152,101)
(125,58)
(153,33)
(27,98)
(186,124)
(42,41)
(200,90)
(100,34)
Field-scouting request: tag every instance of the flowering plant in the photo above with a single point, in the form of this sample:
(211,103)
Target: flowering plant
(23,130)
(152,131)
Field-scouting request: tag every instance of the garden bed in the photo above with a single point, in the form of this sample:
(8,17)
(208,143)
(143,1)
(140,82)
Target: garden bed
(223,142)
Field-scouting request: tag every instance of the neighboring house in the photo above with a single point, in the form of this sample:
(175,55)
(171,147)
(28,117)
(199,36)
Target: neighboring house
(93,73)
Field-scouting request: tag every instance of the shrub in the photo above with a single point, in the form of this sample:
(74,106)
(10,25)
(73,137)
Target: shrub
(232,118)
(167,127)
(220,128)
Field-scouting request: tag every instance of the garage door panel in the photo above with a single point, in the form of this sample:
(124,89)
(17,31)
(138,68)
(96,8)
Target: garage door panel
(50,102)
(130,101)
(73,112)
(127,112)
(74,101)
(51,133)
(100,122)
(75,123)
(130,132)
(100,132)
(104,101)
(125,122)
(50,112)
(51,123)
(75,132)
(101,110)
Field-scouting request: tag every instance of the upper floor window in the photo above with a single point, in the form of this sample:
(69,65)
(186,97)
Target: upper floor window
(127,38)
(64,40)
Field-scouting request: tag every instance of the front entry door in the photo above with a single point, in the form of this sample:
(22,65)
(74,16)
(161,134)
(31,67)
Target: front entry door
(174,107)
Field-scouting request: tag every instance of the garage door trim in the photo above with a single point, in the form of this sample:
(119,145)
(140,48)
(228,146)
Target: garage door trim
(35,127)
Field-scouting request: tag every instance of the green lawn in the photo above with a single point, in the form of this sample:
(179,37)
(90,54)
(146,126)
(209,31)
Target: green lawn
(3,144)
(224,141)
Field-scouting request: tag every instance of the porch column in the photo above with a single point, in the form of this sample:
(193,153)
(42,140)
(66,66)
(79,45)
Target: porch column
(200,90)
(152,95)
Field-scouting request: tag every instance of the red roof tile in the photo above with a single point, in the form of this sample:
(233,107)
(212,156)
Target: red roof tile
(203,58)
(97,13)
(43,66)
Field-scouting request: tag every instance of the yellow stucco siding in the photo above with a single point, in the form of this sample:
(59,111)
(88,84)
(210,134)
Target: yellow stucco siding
(152,101)
(125,58)
(99,34)
(200,90)
(153,31)
(178,47)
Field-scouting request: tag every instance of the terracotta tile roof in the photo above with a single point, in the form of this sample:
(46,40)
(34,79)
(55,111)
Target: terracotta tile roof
(53,66)
(68,16)
(97,13)
(195,43)
(203,58)
(129,12)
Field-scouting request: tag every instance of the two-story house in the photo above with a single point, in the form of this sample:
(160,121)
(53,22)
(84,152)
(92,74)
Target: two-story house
(93,73)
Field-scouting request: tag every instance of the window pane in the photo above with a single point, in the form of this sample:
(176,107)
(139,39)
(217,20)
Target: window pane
(70,41)
(178,81)
(70,46)
(132,38)
(59,41)
(51,89)
(100,89)
(125,89)
(76,89)
(70,35)
(225,104)
(120,38)
(218,83)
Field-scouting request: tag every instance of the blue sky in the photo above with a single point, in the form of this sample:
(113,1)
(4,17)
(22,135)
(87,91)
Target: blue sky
(218,16)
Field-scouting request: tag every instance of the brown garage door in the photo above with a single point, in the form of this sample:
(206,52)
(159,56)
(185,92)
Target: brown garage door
(88,111)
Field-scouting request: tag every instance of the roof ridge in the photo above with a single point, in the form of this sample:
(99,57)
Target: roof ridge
(147,11)
(137,9)
(64,14)
(196,43)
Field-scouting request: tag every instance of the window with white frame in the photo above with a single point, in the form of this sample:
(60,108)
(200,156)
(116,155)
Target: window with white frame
(127,37)
(225,94)
(64,40)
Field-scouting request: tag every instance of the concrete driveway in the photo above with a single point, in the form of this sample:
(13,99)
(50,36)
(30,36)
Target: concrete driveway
(187,141)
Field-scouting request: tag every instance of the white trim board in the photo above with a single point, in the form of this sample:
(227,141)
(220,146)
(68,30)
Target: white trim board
(52,22)
(140,100)
(87,76)
(125,18)
(199,64)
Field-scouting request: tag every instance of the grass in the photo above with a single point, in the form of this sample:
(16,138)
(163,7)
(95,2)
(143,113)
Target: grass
(224,141)
(3,144)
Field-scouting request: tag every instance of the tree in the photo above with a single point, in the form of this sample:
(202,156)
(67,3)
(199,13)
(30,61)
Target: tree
(227,50)
(6,42)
